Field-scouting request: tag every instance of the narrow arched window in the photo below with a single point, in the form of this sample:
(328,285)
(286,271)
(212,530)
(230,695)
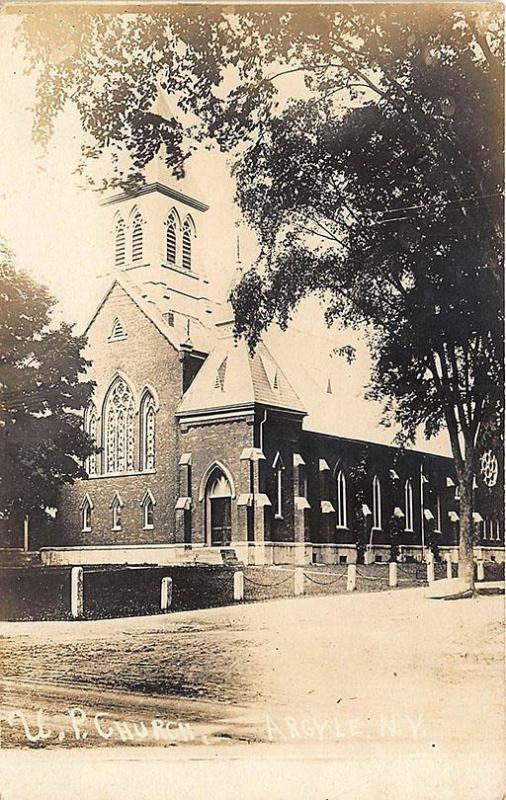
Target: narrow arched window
(147,432)
(86,512)
(439,518)
(376,503)
(90,426)
(171,239)
(116,506)
(137,238)
(119,243)
(341,515)
(279,468)
(148,511)
(118,419)
(408,505)
(187,245)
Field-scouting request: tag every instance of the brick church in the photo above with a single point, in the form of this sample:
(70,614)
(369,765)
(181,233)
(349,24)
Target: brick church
(205,449)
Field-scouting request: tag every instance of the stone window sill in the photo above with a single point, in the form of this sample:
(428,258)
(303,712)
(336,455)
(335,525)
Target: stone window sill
(132,473)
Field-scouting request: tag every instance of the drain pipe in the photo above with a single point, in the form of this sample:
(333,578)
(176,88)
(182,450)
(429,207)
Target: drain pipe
(261,430)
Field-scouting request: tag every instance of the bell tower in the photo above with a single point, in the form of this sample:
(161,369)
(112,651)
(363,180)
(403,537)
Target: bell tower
(155,243)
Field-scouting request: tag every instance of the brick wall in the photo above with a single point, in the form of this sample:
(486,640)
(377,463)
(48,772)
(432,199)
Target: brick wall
(144,358)
(216,442)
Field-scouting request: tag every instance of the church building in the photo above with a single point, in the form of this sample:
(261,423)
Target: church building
(207,450)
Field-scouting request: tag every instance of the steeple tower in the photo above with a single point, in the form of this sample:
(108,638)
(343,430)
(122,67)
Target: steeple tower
(155,241)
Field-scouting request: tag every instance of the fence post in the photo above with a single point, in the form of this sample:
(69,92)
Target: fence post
(238,585)
(430,572)
(298,582)
(449,573)
(352,578)
(480,571)
(166,593)
(76,592)
(392,574)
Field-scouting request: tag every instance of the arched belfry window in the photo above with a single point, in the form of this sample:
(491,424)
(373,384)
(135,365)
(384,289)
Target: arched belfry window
(376,503)
(171,238)
(341,515)
(90,426)
(119,243)
(118,419)
(137,238)
(408,505)
(187,245)
(147,431)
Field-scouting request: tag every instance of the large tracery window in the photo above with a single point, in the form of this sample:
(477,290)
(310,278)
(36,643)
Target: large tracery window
(147,431)
(90,426)
(119,428)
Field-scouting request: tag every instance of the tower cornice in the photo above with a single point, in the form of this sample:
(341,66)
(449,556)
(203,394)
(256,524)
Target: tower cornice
(148,188)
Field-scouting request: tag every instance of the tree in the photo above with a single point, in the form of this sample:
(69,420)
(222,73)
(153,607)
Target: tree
(393,216)
(42,441)
(389,209)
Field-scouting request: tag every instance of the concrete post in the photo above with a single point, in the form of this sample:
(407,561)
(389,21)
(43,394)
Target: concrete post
(430,572)
(238,585)
(298,582)
(449,573)
(369,556)
(166,593)
(76,592)
(480,572)
(352,578)
(392,574)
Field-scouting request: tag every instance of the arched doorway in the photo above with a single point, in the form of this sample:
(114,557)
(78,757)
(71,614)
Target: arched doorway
(218,509)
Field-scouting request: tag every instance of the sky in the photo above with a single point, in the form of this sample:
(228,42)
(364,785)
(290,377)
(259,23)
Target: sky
(59,233)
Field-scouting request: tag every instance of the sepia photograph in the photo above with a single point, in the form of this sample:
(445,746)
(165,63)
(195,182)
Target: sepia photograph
(252,530)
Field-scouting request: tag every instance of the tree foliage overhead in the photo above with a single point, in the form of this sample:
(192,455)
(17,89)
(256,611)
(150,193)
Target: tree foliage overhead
(42,442)
(217,69)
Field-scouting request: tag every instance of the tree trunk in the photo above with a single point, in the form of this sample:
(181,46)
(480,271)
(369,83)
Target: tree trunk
(466,538)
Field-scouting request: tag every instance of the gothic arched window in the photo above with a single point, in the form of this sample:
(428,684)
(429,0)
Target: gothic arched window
(119,243)
(341,516)
(376,503)
(278,468)
(90,426)
(137,237)
(187,245)
(147,431)
(148,510)
(408,505)
(86,512)
(171,238)
(118,419)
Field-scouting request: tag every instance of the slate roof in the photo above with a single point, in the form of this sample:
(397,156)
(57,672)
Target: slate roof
(232,378)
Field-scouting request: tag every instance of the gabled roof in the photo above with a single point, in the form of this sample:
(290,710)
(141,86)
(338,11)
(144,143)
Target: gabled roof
(232,378)
(197,339)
